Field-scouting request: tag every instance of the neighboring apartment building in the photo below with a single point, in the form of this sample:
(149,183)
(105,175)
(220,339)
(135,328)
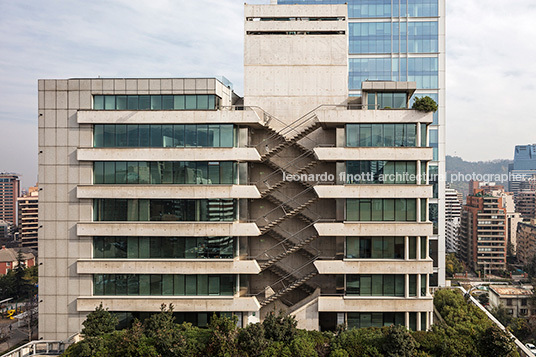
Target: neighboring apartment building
(170,194)
(483,232)
(404,40)
(28,218)
(526,203)
(9,259)
(515,299)
(526,241)
(9,192)
(453,208)
(523,168)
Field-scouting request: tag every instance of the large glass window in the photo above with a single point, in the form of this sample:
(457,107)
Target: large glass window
(422,70)
(381,135)
(374,319)
(381,209)
(156,135)
(164,210)
(375,247)
(381,172)
(165,172)
(375,285)
(164,247)
(156,102)
(162,284)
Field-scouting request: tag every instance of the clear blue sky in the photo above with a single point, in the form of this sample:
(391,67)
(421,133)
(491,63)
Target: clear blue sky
(490,62)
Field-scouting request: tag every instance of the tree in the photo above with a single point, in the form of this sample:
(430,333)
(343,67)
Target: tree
(280,327)
(494,342)
(251,339)
(399,342)
(453,265)
(425,104)
(99,322)
(224,336)
(501,313)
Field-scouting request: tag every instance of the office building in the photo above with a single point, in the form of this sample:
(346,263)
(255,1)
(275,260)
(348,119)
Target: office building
(28,218)
(9,191)
(166,191)
(484,232)
(523,169)
(404,40)
(525,203)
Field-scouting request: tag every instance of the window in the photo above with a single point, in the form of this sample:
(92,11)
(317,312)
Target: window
(381,172)
(508,302)
(381,135)
(156,135)
(381,209)
(375,285)
(163,284)
(164,210)
(156,102)
(165,172)
(164,247)
(375,247)
(374,319)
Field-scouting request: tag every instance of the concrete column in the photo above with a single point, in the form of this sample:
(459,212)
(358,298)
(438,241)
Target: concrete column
(418,286)
(418,209)
(406,248)
(418,169)
(406,318)
(406,286)
(419,320)
(418,247)
(418,134)
(237,293)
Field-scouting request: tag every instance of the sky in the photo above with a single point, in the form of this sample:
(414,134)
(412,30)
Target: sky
(490,62)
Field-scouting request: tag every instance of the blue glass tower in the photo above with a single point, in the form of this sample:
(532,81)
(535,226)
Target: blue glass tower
(404,40)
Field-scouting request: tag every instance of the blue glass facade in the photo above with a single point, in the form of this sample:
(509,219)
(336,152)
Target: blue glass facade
(422,70)
(379,8)
(396,37)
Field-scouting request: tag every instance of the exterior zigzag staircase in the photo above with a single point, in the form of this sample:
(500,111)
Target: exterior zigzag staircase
(296,207)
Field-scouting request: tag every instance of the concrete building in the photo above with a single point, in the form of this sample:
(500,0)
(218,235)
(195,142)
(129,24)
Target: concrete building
(28,218)
(526,241)
(515,299)
(483,232)
(9,191)
(453,209)
(525,203)
(179,191)
(9,259)
(404,41)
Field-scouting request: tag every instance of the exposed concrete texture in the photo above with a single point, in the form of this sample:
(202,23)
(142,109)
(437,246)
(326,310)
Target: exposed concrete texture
(167,191)
(167,266)
(373,191)
(340,115)
(250,117)
(153,303)
(374,266)
(164,229)
(167,154)
(378,304)
(368,153)
(374,229)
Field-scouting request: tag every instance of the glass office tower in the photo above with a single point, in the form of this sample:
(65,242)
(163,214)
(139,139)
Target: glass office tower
(403,40)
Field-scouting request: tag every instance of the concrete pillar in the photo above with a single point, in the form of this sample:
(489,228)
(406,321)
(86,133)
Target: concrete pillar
(419,320)
(406,286)
(418,134)
(406,248)
(418,286)
(406,318)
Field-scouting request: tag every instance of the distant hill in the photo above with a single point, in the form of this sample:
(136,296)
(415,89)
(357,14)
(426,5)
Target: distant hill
(456,167)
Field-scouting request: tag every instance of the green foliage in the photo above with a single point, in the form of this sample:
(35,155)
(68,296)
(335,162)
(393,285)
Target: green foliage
(501,313)
(398,342)
(251,339)
(280,327)
(425,104)
(99,322)
(453,265)
(466,331)
(224,336)
(19,283)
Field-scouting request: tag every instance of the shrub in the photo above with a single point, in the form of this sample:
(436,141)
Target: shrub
(99,322)
(425,104)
